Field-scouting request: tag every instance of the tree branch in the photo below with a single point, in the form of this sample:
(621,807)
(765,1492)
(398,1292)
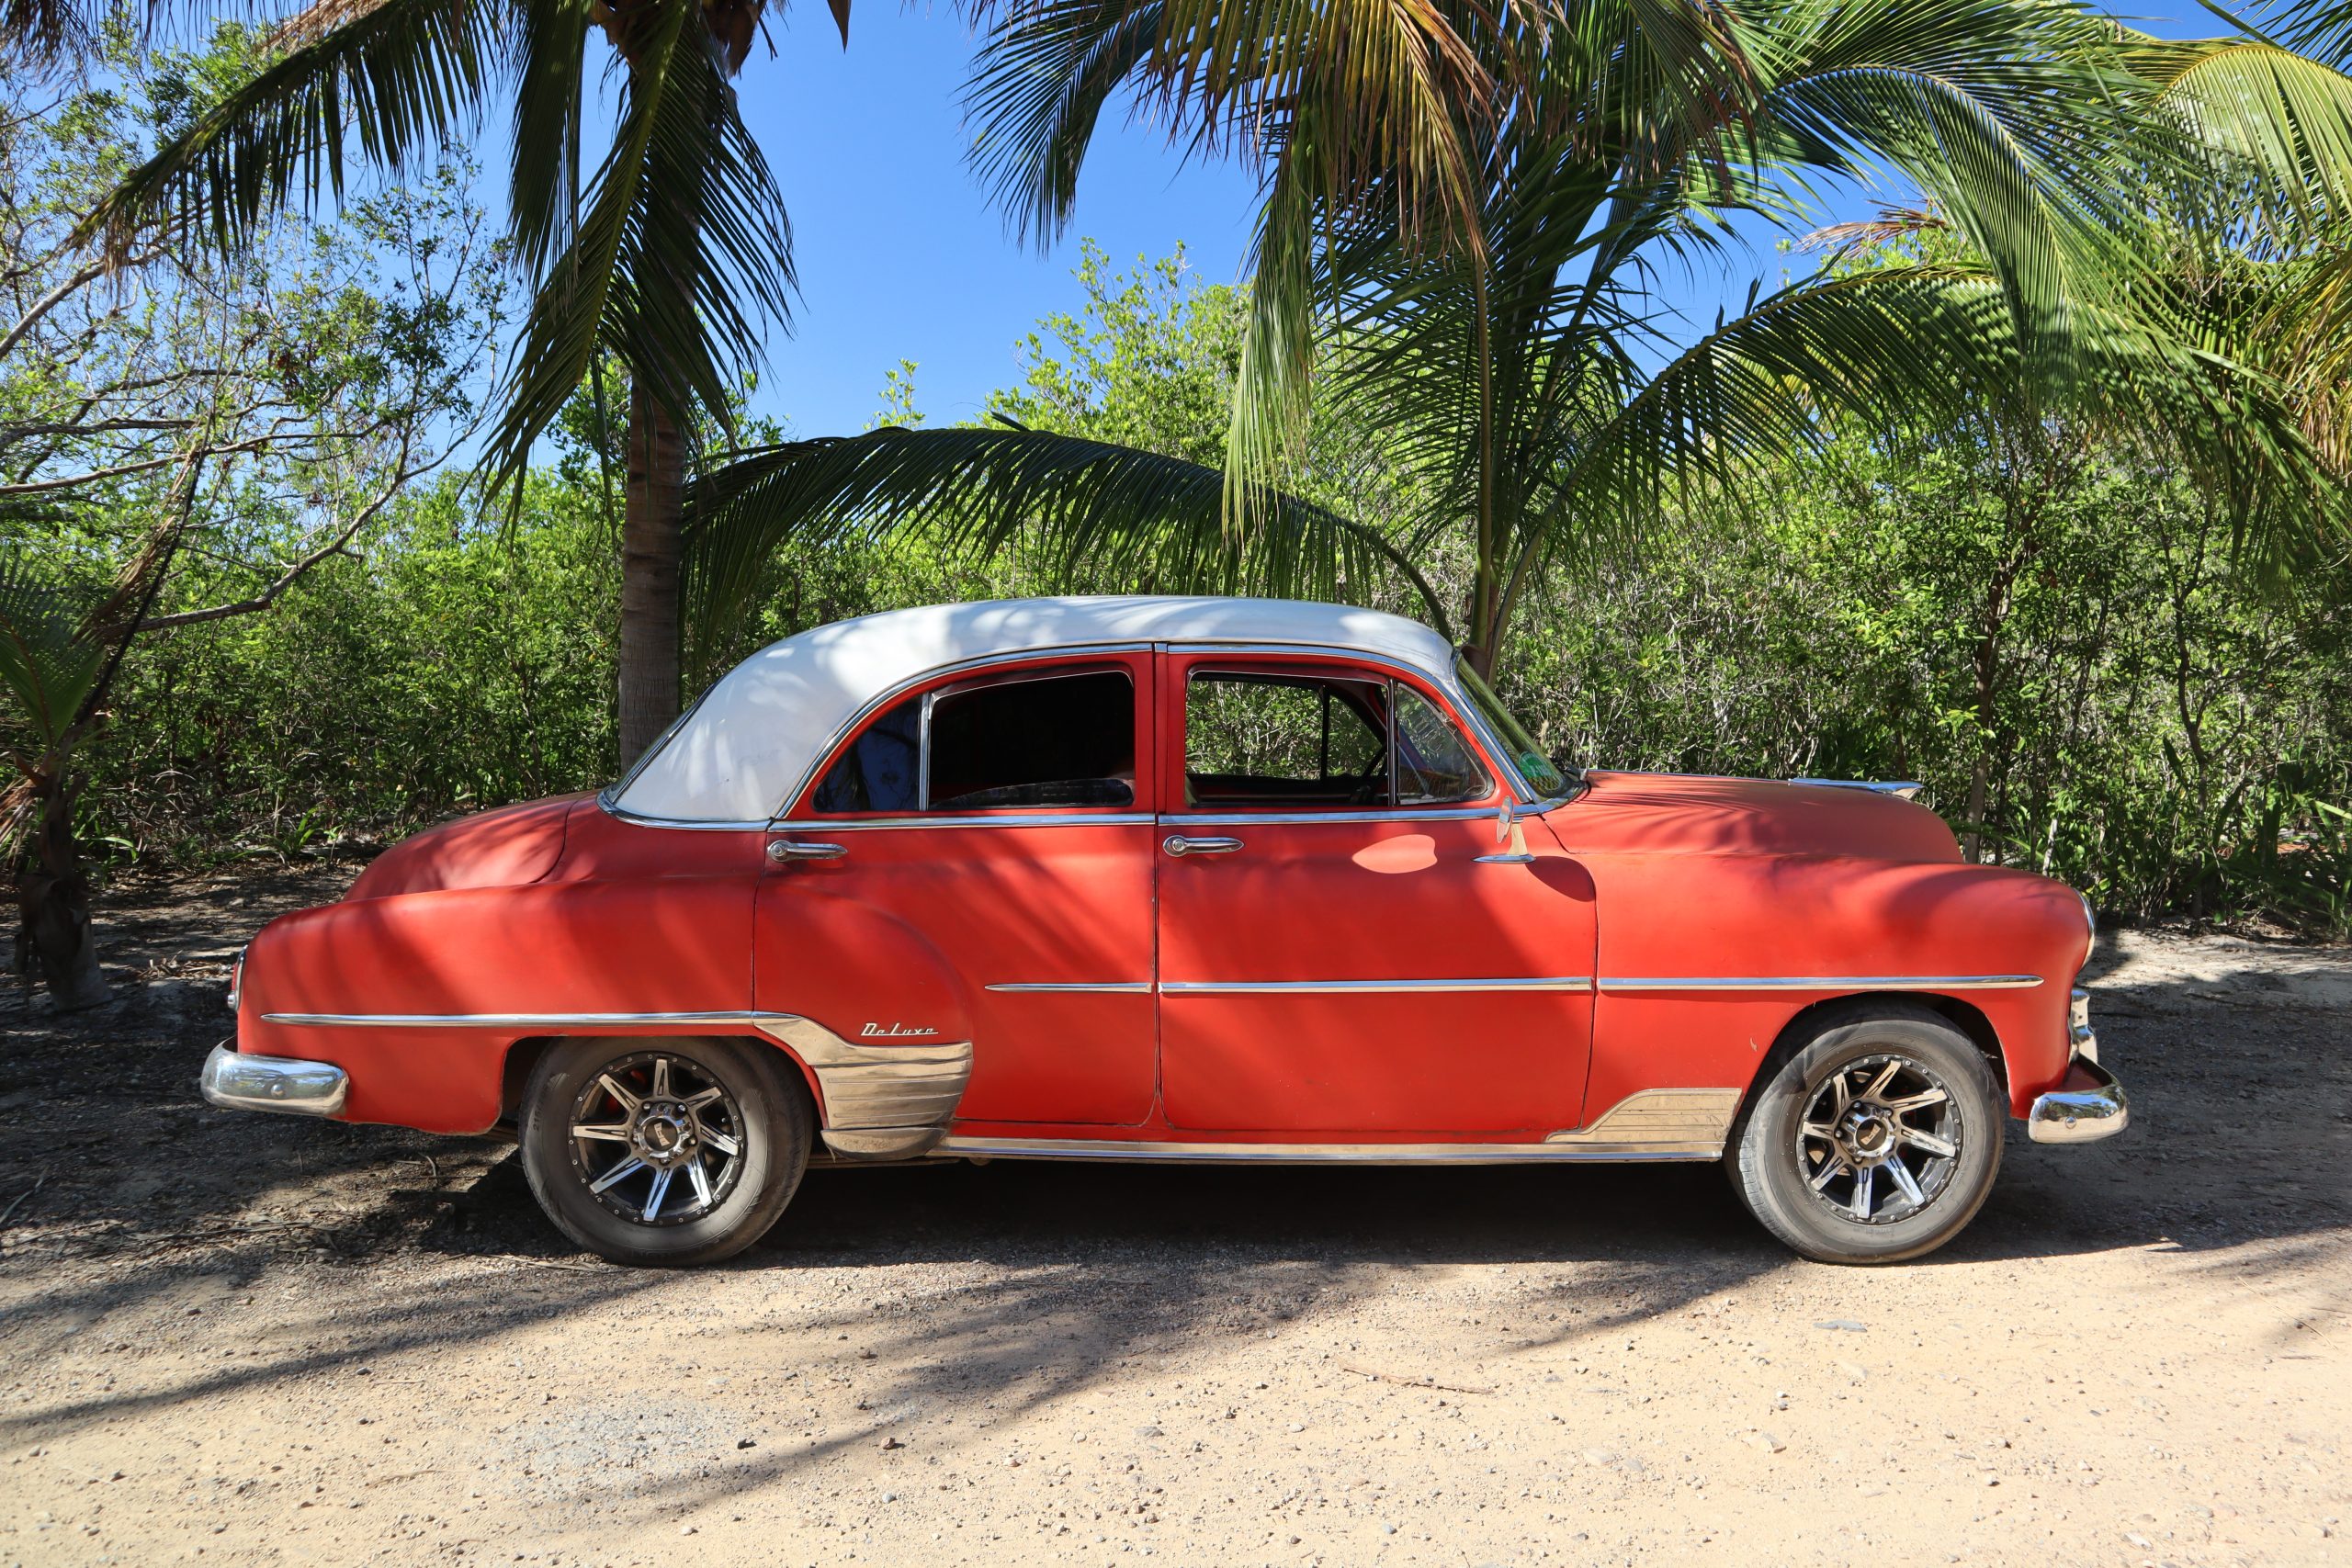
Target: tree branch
(286,579)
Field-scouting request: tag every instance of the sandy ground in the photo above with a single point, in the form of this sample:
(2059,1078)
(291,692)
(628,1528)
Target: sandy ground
(244,1339)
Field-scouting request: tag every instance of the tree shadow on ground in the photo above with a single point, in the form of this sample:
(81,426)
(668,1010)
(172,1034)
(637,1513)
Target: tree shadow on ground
(1016,1284)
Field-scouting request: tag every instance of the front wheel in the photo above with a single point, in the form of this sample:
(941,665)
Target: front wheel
(1876,1141)
(663,1152)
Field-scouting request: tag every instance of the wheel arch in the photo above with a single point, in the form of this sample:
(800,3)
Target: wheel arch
(1811,1019)
(523,1057)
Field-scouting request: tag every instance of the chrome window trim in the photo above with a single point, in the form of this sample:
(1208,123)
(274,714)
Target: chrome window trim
(1363,987)
(1073,818)
(825,753)
(1821,982)
(1496,756)
(639,819)
(1090,988)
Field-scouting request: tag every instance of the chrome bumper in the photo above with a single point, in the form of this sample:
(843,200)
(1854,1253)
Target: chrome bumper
(274,1083)
(2089,1106)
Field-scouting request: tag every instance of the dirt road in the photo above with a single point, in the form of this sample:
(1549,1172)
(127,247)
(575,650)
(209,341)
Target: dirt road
(246,1339)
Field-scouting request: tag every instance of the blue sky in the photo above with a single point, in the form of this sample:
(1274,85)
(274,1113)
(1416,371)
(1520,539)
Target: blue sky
(901,253)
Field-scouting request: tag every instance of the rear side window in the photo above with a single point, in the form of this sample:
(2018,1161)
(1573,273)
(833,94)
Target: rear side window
(1042,740)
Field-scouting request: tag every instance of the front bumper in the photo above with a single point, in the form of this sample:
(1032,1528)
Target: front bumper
(2089,1105)
(274,1083)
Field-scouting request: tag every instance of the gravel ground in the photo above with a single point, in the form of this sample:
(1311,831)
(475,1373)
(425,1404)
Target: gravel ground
(249,1340)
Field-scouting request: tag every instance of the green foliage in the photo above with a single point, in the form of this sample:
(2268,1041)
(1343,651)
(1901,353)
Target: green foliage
(48,661)
(2156,729)
(2087,683)
(458,666)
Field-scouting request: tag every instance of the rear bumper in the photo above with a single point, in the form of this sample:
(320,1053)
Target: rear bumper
(2088,1106)
(274,1083)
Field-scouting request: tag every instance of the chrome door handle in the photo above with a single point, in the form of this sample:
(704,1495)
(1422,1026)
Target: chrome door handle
(784,851)
(1178,844)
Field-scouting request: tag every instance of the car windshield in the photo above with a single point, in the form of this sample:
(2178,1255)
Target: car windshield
(1533,766)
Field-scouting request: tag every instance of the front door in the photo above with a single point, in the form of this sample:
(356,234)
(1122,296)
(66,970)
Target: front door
(993,881)
(1344,947)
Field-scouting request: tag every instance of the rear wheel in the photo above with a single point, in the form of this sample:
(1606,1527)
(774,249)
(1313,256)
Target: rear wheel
(1875,1141)
(664,1152)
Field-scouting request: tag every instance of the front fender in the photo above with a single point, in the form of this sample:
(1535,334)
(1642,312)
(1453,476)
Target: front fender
(1698,953)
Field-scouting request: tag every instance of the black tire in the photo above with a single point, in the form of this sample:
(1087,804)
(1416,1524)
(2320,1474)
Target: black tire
(761,1109)
(1812,1191)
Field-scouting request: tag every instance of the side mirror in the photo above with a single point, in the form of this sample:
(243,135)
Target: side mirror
(1510,837)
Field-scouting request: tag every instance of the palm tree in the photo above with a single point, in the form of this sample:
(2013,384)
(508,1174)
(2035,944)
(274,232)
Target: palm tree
(1515,347)
(2270,106)
(62,641)
(673,254)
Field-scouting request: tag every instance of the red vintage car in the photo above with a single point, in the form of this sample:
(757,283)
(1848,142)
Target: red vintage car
(1177,879)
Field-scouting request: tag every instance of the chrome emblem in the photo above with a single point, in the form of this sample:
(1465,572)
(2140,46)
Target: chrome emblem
(895,1032)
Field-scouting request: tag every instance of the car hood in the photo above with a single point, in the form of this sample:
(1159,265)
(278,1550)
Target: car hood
(1691,814)
(490,849)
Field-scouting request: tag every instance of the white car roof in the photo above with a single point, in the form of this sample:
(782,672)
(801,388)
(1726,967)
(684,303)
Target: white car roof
(756,735)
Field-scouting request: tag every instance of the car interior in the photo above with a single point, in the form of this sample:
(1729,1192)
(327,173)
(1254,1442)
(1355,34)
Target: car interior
(1253,740)
(1057,738)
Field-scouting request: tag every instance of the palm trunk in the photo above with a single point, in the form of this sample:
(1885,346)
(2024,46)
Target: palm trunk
(651,544)
(53,932)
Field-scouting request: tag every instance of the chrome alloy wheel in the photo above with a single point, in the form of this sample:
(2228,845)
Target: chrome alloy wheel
(1879,1140)
(657,1139)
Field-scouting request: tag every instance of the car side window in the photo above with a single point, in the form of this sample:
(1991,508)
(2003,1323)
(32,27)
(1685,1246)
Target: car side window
(1024,741)
(1434,764)
(1257,739)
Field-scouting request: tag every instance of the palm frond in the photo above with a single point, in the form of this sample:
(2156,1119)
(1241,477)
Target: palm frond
(48,661)
(2008,118)
(551,96)
(2285,117)
(683,252)
(2320,29)
(402,75)
(1096,507)
(1038,94)
(1926,347)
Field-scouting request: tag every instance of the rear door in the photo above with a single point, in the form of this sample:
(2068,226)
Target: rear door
(994,876)
(1343,947)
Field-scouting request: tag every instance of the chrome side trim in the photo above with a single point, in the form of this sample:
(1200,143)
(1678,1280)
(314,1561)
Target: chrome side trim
(1611,983)
(1902,789)
(880,1102)
(1103,987)
(241,1082)
(1000,819)
(2080,1115)
(976,1146)
(517,1019)
(1276,817)
(1362,987)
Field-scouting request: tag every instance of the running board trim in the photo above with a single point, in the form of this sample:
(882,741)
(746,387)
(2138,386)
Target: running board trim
(961,1146)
